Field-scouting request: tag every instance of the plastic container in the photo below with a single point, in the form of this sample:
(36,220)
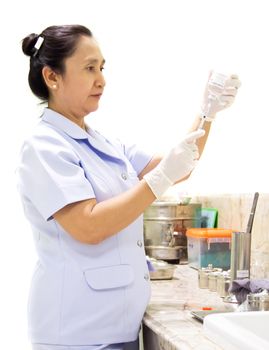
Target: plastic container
(209,246)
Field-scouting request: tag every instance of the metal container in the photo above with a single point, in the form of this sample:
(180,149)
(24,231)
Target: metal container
(212,280)
(167,233)
(164,253)
(172,210)
(223,284)
(256,302)
(162,270)
(240,255)
(203,274)
(165,225)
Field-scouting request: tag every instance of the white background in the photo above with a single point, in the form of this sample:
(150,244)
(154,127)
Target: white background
(158,57)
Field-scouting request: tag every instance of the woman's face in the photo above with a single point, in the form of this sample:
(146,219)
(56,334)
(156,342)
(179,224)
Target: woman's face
(80,88)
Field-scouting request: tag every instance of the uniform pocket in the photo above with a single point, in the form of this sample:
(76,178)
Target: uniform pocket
(109,277)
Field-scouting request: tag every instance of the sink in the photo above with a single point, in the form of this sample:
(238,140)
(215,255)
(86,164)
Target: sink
(238,330)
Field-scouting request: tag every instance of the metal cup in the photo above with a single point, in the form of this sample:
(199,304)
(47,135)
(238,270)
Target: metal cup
(240,255)
(257,302)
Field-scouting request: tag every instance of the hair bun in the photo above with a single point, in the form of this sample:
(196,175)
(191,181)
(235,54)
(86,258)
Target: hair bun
(28,44)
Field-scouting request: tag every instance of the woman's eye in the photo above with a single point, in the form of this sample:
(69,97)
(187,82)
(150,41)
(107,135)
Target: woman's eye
(92,68)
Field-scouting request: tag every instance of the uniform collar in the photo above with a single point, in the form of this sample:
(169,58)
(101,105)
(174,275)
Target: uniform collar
(96,140)
(64,124)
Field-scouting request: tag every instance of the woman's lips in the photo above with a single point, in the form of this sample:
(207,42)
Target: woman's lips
(96,95)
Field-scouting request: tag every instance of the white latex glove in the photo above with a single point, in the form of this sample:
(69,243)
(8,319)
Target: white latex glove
(177,164)
(220,92)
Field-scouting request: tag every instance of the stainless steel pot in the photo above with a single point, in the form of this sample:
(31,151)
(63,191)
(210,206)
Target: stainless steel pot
(165,232)
(165,225)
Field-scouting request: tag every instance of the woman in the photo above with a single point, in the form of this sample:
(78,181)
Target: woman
(84,196)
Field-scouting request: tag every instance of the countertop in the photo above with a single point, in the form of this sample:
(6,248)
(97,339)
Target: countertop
(168,313)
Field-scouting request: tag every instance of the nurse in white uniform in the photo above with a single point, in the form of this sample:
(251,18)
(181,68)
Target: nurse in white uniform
(84,196)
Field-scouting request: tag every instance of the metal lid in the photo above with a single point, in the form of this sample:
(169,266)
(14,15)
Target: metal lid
(164,203)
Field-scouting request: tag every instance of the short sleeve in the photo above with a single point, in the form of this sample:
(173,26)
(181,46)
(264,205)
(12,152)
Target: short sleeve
(137,157)
(50,175)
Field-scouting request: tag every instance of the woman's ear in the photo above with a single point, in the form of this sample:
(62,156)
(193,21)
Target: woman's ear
(50,77)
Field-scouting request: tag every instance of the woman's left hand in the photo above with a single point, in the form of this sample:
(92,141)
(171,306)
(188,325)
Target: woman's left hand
(220,93)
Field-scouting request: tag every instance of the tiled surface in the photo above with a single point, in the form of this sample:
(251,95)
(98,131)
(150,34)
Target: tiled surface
(168,313)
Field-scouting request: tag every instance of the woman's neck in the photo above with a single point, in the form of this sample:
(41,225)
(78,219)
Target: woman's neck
(69,115)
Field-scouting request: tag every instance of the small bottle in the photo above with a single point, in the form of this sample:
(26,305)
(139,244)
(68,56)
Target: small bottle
(216,83)
(216,86)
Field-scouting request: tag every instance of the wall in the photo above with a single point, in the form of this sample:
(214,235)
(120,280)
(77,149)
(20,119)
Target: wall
(158,56)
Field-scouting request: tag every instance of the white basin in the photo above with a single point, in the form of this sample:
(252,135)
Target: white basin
(239,330)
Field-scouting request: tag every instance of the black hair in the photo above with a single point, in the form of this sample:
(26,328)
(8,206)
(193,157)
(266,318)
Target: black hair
(59,43)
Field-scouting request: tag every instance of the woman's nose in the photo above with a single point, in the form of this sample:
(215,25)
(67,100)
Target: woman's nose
(100,82)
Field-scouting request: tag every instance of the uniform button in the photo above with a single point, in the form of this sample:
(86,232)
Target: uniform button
(124,176)
(146,276)
(139,243)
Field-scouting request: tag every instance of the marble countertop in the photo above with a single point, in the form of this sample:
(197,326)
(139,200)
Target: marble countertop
(168,314)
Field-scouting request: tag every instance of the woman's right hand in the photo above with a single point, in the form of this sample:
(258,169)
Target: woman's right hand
(176,165)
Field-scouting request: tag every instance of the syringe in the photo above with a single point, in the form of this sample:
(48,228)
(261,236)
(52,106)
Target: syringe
(201,125)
